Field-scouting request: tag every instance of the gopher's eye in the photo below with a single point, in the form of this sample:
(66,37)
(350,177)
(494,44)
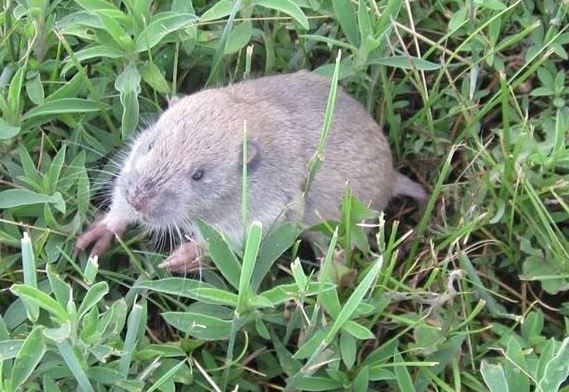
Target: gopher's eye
(197,175)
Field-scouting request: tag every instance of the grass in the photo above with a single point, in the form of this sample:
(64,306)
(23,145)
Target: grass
(469,296)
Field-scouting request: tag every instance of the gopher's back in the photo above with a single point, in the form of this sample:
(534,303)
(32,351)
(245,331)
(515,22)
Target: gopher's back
(356,154)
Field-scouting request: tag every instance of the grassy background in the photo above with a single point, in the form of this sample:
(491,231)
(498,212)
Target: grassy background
(473,96)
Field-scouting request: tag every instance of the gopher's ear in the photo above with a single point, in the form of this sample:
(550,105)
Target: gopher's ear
(172,100)
(253,155)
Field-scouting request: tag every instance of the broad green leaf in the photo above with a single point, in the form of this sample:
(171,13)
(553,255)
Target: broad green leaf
(221,253)
(29,355)
(516,354)
(114,319)
(361,382)
(9,349)
(288,7)
(54,172)
(298,274)
(49,384)
(348,349)
(389,14)
(536,268)
(547,353)
(14,95)
(140,11)
(556,370)
(89,333)
(162,25)
(330,302)
(115,30)
(239,37)
(273,246)
(182,6)
(494,377)
(91,5)
(457,19)
(91,269)
(43,300)
(152,75)
(69,89)
(262,329)
(532,326)
(183,287)
(7,131)
(214,296)
(63,105)
(93,52)
(78,22)
(220,9)
(106,376)
(11,198)
(152,351)
(128,85)
(494,5)
(59,334)
(83,193)
(379,373)
(166,377)
(358,331)
(93,297)
(199,325)
(382,354)
(402,375)
(493,305)
(312,345)
(446,354)
(345,12)
(289,365)
(4,333)
(34,89)
(364,22)
(287,292)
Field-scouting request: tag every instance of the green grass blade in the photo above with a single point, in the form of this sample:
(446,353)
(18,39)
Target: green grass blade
(30,271)
(135,325)
(249,260)
(355,299)
(220,49)
(73,363)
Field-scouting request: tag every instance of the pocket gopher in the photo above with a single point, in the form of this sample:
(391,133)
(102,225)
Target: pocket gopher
(188,164)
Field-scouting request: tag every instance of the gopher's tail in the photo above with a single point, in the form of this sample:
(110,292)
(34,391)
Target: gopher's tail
(405,187)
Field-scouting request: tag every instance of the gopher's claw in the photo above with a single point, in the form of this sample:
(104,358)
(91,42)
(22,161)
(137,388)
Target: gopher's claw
(99,234)
(184,259)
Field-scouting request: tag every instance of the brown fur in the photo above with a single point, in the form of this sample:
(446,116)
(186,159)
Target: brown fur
(284,116)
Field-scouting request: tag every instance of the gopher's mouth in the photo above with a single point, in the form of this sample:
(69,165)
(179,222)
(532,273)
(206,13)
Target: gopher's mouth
(162,219)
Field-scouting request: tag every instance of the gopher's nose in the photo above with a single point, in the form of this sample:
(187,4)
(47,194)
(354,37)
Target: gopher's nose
(137,199)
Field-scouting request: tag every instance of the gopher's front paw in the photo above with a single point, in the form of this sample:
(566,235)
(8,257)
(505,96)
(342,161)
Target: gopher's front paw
(99,234)
(184,259)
